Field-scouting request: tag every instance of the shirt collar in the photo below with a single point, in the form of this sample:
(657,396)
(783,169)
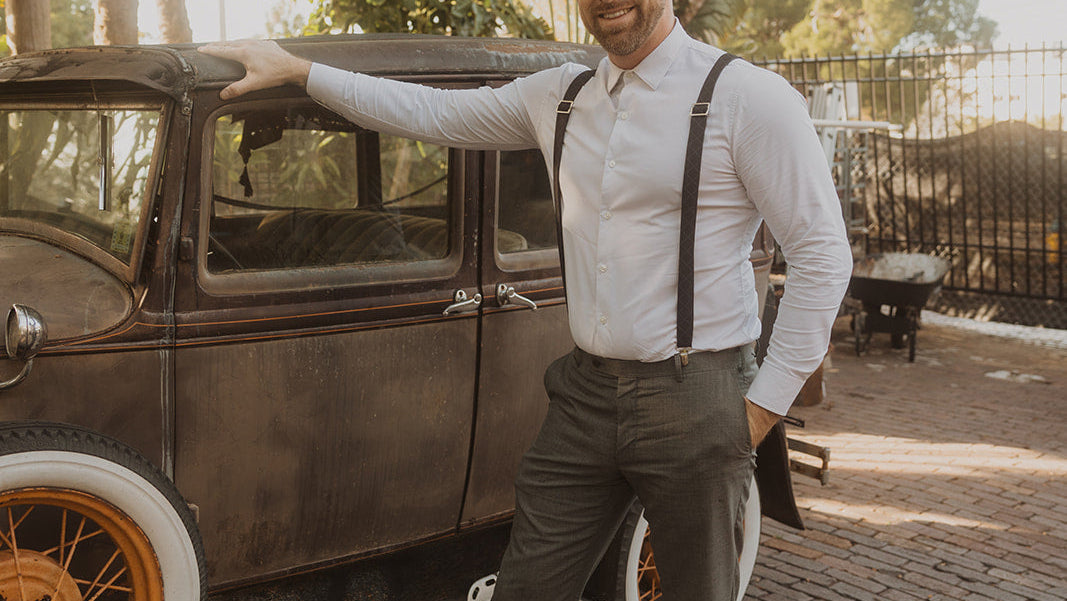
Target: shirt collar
(654,67)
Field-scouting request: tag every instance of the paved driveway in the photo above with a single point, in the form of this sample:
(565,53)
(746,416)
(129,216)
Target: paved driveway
(948,476)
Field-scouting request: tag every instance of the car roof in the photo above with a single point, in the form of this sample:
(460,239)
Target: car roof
(174,69)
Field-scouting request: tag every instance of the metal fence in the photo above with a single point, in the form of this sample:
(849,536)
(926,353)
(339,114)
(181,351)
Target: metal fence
(975,169)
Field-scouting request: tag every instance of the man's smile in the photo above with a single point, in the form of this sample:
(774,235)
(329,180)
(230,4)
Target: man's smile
(615,14)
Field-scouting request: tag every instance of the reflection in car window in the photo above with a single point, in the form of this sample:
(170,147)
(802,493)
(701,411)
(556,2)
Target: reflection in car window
(300,187)
(525,214)
(51,163)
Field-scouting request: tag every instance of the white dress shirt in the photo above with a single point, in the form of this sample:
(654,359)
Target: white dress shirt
(621,180)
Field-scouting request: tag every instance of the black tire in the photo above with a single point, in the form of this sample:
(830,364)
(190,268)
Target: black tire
(861,332)
(59,482)
(897,340)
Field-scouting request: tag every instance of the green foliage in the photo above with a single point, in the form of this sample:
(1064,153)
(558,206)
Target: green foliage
(5,50)
(846,27)
(709,19)
(759,32)
(485,18)
(72,23)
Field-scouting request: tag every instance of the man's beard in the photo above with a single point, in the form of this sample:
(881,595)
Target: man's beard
(627,41)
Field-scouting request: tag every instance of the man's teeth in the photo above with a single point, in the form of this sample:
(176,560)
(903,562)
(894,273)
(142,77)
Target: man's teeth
(616,14)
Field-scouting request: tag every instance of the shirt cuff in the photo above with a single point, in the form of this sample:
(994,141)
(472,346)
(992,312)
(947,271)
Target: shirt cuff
(774,390)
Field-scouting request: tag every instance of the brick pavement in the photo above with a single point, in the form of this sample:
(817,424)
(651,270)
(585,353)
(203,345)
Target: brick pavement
(946,483)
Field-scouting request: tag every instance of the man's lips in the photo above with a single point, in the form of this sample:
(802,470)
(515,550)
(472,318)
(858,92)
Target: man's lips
(615,13)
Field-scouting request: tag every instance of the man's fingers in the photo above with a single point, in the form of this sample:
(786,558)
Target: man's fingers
(760,421)
(233,90)
(266,65)
(222,50)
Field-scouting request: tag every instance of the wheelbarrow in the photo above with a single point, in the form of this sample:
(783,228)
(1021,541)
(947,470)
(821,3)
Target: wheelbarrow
(892,289)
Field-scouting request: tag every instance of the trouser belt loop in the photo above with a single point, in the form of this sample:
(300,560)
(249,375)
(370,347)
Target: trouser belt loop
(681,360)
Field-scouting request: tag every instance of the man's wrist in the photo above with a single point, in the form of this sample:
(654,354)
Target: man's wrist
(301,71)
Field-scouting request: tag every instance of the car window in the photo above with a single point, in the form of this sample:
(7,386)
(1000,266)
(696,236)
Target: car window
(526,218)
(297,186)
(84,171)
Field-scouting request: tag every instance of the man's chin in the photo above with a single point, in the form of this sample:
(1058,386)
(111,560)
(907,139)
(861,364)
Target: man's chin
(619,45)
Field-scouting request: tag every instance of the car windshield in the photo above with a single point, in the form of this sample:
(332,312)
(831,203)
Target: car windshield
(84,171)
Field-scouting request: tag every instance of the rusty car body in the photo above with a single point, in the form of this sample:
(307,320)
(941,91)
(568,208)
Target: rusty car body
(263,339)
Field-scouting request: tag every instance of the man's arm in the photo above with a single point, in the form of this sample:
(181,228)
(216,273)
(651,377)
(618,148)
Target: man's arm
(777,155)
(266,66)
(482,118)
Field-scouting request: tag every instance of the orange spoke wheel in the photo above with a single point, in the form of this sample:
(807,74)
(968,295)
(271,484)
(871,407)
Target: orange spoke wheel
(647,576)
(640,579)
(65,545)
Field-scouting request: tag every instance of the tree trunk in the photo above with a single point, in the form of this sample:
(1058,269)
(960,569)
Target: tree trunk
(174,22)
(116,22)
(29,25)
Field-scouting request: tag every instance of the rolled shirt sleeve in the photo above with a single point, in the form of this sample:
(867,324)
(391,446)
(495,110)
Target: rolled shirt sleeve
(782,166)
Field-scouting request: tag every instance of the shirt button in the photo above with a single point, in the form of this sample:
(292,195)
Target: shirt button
(605,215)
(624,115)
(611,164)
(603,319)
(603,268)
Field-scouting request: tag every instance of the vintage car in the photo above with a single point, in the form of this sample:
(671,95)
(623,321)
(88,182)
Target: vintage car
(248,338)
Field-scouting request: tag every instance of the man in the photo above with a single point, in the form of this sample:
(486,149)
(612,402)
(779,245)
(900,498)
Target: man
(632,410)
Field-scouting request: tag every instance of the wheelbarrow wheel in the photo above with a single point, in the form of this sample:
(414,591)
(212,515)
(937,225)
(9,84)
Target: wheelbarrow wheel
(897,340)
(913,316)
(901,320)
(860,331)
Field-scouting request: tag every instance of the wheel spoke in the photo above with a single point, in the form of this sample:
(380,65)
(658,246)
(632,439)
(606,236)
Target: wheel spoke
(62,535)
(14,526)
(24,516)
(5,539)
(74,545)
(103,571)
(114,587)
(74,542)
(15,551)
(107,586)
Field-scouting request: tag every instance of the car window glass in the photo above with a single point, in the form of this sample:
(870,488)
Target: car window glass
(52,163)
(525,213)
(300,187)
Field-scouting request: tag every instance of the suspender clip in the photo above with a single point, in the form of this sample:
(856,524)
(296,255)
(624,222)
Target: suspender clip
(564,107)
(700,109)
(684,354)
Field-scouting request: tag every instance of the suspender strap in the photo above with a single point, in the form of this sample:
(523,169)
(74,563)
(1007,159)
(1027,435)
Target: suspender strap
(698,120)
(563,115)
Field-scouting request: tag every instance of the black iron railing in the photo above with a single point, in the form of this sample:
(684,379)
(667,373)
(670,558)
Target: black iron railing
(976,169)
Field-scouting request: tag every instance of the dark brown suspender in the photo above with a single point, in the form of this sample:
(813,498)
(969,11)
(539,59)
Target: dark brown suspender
(690,189)
(698,120)
(563,115)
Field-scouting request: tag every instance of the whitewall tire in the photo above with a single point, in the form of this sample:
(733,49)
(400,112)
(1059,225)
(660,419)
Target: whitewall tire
(85,510)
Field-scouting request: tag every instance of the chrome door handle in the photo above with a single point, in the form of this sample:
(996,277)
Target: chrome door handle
(462,303)
(506,295)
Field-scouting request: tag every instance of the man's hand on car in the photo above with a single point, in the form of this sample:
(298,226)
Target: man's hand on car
(266,65)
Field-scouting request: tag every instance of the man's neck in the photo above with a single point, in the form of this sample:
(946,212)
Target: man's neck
(660,33)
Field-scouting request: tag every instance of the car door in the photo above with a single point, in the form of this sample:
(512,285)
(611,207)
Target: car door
(520,271)
(324,397)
